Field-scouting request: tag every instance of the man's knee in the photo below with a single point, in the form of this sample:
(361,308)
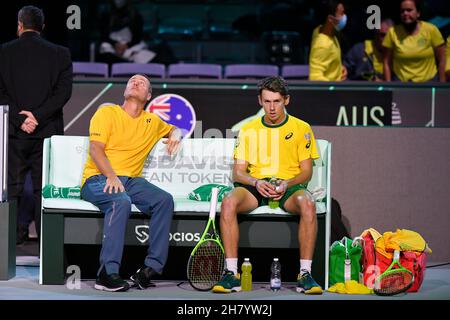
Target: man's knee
(122,204)
(229,206)
(306,207)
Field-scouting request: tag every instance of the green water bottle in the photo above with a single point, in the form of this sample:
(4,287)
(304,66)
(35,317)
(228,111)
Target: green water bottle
(273,204)
(246,277)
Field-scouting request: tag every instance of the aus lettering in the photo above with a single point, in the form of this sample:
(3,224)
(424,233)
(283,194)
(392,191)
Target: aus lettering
(374,114)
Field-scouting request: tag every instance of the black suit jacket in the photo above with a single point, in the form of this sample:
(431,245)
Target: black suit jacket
(35,75)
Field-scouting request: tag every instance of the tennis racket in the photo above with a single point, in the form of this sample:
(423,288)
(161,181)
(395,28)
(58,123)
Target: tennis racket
(206,263)
(393,281)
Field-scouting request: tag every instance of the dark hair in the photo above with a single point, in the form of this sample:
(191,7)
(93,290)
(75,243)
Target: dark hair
(274,84)
(418,4)
(31,18)
(328,7)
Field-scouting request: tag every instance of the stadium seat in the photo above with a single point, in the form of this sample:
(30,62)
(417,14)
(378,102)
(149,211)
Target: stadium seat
(90,69)
(127,69)
(295,71)
(194,70)
(252,71)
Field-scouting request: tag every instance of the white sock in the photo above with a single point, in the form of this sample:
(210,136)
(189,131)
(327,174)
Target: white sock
(305,265)
(231,264)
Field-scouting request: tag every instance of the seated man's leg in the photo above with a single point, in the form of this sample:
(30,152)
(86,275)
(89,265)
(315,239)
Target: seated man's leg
(116,208)
(157,203)
(238,201)
(302,203)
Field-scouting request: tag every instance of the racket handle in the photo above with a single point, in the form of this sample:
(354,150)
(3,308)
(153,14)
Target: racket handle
(213,203)
(396,255)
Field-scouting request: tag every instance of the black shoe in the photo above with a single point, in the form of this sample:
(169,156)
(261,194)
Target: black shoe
(21,234)
(142,278)
(110,282)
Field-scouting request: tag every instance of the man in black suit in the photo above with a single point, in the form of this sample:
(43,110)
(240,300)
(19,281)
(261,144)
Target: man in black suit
(36,82)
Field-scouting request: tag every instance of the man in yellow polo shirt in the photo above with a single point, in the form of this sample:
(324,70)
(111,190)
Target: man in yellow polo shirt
(413,47)
(276,145)
(120,139)
(325,61)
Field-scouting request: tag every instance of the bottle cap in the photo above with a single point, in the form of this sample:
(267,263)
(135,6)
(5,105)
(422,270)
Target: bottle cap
(247,259)
(275,259)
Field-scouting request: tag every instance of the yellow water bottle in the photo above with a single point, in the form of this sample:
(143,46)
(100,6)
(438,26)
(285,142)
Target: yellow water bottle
(246,277)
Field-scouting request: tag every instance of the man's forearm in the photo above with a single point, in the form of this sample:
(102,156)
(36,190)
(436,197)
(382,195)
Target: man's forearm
(102,162)
(301,178)
(244,178)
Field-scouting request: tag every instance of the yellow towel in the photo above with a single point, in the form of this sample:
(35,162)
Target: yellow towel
(350,287)
(401,240)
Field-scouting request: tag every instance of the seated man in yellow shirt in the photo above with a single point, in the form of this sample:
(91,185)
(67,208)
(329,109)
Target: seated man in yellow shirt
(364,61)
(413,47)
(120,139)
(325,62)
(274,145)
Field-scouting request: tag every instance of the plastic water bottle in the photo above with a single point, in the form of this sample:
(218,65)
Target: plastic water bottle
(273,204)
(275,278)
(246,278)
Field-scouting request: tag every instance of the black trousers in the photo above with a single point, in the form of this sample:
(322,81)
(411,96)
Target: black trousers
(25,155)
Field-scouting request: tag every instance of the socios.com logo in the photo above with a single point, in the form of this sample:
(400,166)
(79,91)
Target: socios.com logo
(176,110)
(142,235)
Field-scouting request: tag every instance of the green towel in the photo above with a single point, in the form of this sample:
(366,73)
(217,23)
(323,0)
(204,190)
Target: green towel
(51,191)
(203,193)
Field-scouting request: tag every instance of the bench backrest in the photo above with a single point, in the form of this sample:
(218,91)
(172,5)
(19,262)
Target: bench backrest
(200,161)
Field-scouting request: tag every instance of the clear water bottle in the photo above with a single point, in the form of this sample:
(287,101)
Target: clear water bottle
(246,278)
(273,204)
(275,278)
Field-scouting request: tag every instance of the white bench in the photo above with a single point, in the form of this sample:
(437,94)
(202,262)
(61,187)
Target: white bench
(200,161)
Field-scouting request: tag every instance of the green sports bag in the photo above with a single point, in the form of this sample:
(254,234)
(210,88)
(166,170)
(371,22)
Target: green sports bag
(345,256)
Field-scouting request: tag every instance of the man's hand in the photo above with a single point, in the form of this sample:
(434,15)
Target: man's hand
(30,123)
(173,142)
(113,184)
(281,190)
(266,189)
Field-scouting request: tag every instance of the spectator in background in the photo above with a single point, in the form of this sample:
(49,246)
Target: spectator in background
(447,59)
(36,82)
(325,63)
(364,61)
(123,37)
(122,34)
(413,47)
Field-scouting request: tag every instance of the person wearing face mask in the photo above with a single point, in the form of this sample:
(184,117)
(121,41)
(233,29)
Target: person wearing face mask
(415,49)
(325,62)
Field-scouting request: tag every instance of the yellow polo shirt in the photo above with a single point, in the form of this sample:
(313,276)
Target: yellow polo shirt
(413,55)
(325,62)
(127,140)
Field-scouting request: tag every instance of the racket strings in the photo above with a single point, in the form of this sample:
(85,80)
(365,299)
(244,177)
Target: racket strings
(394,282)
(206,266)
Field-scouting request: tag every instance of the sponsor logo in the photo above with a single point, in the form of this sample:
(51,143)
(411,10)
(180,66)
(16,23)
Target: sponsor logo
(176,110)
(289,135)
(142,235)
(149,120)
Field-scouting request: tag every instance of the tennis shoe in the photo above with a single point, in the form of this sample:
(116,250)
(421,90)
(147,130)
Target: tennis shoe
(229,283)
(142,278)
(307,285)
(110,282)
